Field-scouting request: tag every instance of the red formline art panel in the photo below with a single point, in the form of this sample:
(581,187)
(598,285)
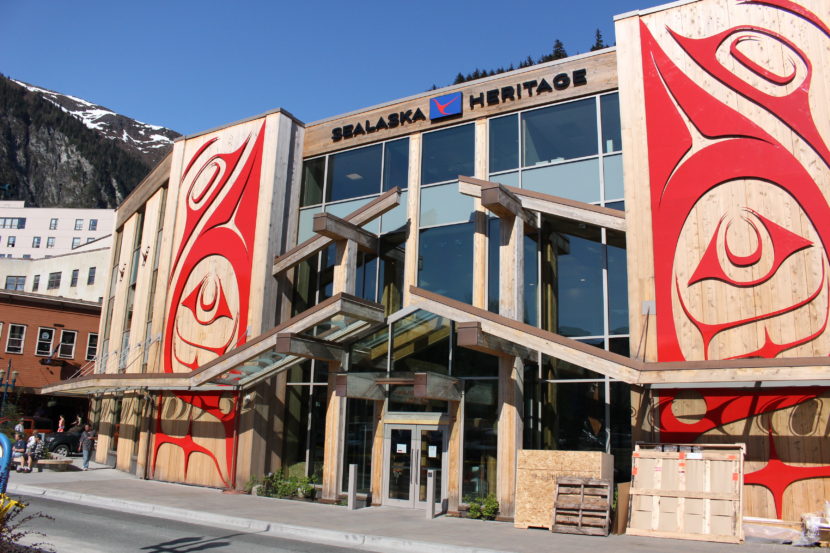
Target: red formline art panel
(700,151)
(726,406)
(776,476)
(210,282)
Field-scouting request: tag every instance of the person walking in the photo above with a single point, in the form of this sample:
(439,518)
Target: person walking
(61,424)
(86,444)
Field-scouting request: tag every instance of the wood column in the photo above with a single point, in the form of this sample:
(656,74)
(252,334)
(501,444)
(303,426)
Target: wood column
(413,212)
(455,452)
(377,454)
(343,281)
(480,256)
(511,304)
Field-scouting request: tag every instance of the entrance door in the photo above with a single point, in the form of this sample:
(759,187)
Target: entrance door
(410,451)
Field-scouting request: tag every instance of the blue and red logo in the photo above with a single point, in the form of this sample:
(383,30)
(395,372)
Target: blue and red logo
(445,106)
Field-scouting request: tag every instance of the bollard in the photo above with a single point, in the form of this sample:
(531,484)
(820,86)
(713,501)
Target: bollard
(430,494)
(351,501)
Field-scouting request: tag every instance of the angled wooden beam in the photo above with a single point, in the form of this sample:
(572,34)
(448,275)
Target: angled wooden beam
(330,226)
(372,210)
(290,343)
(551,205)
(504,204)
(469,335)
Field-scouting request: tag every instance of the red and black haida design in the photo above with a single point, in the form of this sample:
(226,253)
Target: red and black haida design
(210,283)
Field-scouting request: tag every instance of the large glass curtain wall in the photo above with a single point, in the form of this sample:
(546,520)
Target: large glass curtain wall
(305,420)
(571,149)
(445,255)
(339,184)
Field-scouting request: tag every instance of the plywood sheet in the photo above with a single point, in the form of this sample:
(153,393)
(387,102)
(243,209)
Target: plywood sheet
(536,480)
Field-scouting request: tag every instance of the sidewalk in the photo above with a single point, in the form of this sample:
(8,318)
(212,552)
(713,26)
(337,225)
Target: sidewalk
(383,529)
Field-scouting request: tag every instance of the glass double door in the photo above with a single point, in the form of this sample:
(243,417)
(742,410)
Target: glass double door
(410,451)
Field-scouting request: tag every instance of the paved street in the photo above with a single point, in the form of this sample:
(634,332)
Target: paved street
(91,530)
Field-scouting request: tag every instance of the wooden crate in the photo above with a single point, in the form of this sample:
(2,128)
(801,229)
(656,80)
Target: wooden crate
(536,476)
(582,506)
(687,491)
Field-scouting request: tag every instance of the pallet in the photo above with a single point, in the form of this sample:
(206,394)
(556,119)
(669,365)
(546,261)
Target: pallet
(687,491)
(582,506)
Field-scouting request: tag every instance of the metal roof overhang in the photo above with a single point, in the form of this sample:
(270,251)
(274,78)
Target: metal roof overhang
(338,320)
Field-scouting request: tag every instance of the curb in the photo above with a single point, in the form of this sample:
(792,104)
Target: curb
(311,534)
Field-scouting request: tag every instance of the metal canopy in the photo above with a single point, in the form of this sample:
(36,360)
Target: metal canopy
(372,385)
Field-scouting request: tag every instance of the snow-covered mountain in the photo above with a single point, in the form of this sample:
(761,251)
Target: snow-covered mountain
(151,142)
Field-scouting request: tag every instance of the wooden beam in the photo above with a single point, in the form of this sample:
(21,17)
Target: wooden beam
(505,205)
(330,226)
(469,335)
(551,205)
(372,210)
(310,348)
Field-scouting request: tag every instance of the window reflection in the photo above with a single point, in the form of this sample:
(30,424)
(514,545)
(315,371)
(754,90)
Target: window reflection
(312,188)
(447,153)
(610,109)
(504,143)
(480,437)
(445,263)
(396,164)
(560,132)
(354,173)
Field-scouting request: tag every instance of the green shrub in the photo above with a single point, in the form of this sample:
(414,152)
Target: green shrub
(485,508)
(277,484)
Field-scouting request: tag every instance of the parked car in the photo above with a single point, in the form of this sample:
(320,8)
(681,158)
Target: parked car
(63,443)
(30,425)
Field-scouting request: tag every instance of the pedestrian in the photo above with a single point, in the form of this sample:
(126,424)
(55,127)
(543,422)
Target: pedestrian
(87,444)
(34,451)
(61,424)
(19,427)
(18,449)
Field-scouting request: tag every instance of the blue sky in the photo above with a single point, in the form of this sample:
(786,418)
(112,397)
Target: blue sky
(191,66)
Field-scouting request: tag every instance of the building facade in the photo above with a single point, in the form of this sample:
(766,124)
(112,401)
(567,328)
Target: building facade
(618,246)
(80,274)
(35,232)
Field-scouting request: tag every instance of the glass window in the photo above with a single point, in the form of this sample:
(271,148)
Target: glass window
(447,251)
(445,204)
(74,280)
(67,346)
(90,277)
(93,224)
(314,171)
(421,343)
(305,226)
(15,339)
(447,153)
(91,346)
(76,241)
(396,218)
(531,271)
(579,287)
(54,281)
(360,414)
(36,241)
(15,283)
(35,283)
(90,239)
(79,224)
(610,110)
(509,179)
(396,164)
(613,176)
(50,242)
(53,224)
(354,173)
(343,209)
(504,143)
(560,132)
(577,180)
(617,291)
(44,341)
(11,241)
(480,437)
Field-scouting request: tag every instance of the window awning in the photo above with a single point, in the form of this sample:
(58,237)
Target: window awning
(338,320)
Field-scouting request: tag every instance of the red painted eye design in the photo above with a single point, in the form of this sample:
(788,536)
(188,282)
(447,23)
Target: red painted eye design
(208,302)
(783,242)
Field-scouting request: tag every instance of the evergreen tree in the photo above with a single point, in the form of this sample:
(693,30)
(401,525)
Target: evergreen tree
(459,78)
(599,44)
(558,50)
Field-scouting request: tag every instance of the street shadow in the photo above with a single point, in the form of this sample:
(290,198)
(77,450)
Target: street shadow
(190,544)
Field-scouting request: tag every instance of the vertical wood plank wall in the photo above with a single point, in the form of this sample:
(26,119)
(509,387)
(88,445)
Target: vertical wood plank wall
(779,308)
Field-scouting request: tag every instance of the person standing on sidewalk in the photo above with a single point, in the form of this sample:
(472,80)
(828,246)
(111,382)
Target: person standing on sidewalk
(86,444)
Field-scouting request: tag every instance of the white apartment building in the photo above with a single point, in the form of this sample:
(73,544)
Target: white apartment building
(38,232)
(79,274)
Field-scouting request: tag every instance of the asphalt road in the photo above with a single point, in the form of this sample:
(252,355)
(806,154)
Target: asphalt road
(77,528)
